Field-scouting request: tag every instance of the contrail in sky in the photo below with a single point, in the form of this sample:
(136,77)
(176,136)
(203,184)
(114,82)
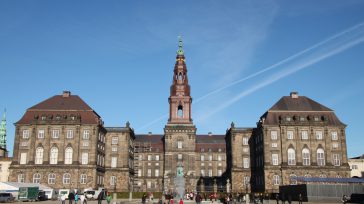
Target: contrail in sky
(331,46)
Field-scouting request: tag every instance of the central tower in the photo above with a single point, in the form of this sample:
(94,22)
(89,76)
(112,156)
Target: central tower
(180,132)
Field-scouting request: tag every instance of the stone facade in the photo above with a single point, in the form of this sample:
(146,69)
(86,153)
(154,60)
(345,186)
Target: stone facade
(62,143)
(297,137)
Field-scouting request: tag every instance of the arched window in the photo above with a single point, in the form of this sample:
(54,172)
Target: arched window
(180,77)
(180,111)
(51,178)
(36,178)
(68,155)
(83,179)
(39,155)
(66,178)
(320,157)
(276,180)
(54,155)
(291,156)
(293,179)
(306,157)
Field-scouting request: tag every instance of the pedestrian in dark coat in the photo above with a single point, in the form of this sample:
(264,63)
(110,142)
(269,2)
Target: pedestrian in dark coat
(277,198)
(300,198)
(71,197)
(289,199)
(100,197)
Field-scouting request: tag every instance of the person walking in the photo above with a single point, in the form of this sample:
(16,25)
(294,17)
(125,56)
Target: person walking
(180,201)
(198,198)
(71,197)
(63,199)
(277,198)
(100,197)
(300,198)
(76,198)
(108,198)
(344,199)
(82,199)
(144,198)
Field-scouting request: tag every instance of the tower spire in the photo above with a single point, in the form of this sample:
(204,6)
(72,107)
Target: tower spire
(3,131)
(180,99)
(180,46)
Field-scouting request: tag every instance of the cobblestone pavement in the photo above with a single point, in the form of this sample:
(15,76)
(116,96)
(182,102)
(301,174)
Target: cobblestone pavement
(138,201)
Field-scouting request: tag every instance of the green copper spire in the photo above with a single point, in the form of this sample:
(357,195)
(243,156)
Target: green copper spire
(3,131)
(180,46)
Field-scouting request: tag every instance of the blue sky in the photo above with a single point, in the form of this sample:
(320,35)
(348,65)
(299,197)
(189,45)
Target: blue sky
(119,57)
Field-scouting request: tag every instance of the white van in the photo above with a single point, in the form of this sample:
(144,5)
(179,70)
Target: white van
(63,192)
(51,194)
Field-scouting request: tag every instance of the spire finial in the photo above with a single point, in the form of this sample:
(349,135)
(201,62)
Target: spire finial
(180,46)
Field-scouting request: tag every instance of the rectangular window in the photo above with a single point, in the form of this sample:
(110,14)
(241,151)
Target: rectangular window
(149,174)
(84,159)
(354,166)
(246,180)
(114,161)
(334,135)
(149,157)
(304,135)
(179,144)
(40,134)
(25,134)
(149,184)
(202,164)
(86,134)
(157,164)
(319,135)
(210,172)
(336,159)
(274,135)
(180,157)
(290,135)
(219,164)
(245,140)
(21,178)
(23,158)
(85,144)
(218,157)
(202,172)
(275,159)
(55,133)
(157,157)
(274,145)
(114,140)
(140,157)
(202,157)
(246,163)
(219,172)
(24,144)
(69,134)
(245,149)
(156,173)
(139,173)
(335,145)
(210,157)
(113,180)
(114,149)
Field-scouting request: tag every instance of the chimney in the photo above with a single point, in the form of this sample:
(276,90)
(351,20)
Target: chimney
(294,94)
(66,94)
(210,133)
(149,133)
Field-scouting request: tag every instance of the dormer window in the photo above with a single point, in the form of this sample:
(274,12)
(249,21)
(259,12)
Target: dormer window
(316,118)
(288,118)
(302,118)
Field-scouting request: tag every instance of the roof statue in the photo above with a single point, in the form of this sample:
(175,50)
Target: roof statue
(3,131)
(180,46)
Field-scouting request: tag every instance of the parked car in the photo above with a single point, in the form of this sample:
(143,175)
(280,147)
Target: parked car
(42,196)
(89,194)
(6,197)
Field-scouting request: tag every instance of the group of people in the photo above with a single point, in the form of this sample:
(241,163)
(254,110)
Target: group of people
(103,195)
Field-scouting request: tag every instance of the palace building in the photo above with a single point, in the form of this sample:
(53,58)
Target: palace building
(63,143)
